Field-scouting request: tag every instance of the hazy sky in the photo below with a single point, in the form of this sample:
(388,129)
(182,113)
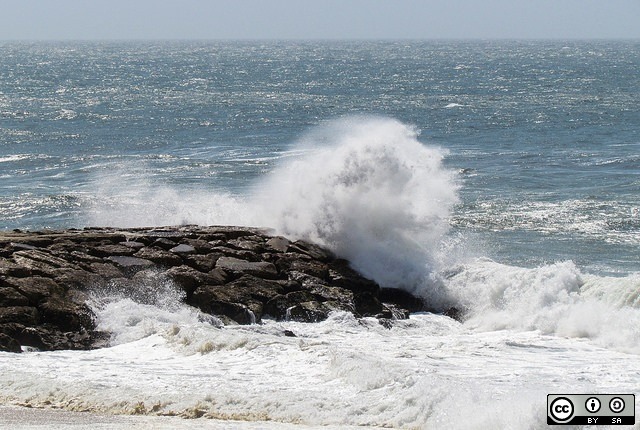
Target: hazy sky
(317,19)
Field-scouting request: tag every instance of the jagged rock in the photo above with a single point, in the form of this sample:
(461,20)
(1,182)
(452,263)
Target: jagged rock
(126,262)
(261,269)
(183,249)
(35,288)
(311,311)
(189,279)
(278,244)
(165,243)
(278,306)
(11,297)
(203,263)
(238,274)
(159,256)
(9,344)
(26,315)
(66,315)
(107,250)
(401,298)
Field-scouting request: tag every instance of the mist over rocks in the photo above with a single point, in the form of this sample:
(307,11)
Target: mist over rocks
(49,280)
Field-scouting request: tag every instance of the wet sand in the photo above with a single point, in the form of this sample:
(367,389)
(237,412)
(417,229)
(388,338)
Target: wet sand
(18,417)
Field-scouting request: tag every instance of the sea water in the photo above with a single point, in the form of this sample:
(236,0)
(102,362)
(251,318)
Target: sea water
(501,178)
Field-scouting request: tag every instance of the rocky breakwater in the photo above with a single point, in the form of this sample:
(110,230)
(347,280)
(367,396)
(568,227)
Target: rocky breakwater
(240,275)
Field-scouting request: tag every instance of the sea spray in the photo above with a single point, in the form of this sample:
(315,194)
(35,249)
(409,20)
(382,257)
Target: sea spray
(365,187)
(370,191)
(554,299)
(148,304)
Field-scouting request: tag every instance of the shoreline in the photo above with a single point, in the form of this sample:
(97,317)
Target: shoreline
(27,418)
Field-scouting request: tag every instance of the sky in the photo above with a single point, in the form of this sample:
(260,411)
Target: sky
(318,19)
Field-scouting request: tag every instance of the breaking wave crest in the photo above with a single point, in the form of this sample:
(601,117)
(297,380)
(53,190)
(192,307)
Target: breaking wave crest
(368,189)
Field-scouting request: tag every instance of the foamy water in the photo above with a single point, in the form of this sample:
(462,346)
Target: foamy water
(497,192)
(380,198)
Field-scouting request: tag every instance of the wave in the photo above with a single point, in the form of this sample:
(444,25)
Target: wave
(368,189)
(555,299)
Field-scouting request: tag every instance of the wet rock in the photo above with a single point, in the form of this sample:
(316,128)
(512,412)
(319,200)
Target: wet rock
(66,315)
(11,297)
(107,250)
(312,311)
(260,269)
(278,244)
(278,306)
(401,298)
(165,243)
(126,262)
(26,315)
(36,288)
(9,344)
(237,274)
(159,256)
(203,263)
(183,249)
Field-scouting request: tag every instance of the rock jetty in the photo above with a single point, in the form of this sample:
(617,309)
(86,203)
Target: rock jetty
(240,275)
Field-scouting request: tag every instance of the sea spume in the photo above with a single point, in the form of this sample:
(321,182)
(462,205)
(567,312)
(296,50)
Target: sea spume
(370,191)
(555,299)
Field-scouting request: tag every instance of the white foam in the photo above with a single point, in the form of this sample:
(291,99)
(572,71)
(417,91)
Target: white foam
(363,186)
(427,372)
(554,299)
(370,191)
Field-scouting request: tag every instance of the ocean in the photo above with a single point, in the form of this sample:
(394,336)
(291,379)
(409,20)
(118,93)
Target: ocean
(498,177)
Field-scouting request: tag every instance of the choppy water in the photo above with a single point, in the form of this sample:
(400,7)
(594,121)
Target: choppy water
(499,177)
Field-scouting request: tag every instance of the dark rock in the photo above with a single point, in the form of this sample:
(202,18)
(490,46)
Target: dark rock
(314,251)
(12,297)
(126,262)
(234,299)
(9,344)
(66,315)
(289,333)
(203,263)
(343,276)
(80,279)
(237,274)
(310,312)
(454,313)
(107,270)
(201,246)
(164,243)
(278,306)
(159,256)
(132,244)
(183,249)
(40,262)
(25,315)
(107,250)
(189,279)
(236,253)
(261,269)
(9,268)
(35,288)
(21,246)
(248,245)
(367,304)
(402,299)
(234,303)
(277,244)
